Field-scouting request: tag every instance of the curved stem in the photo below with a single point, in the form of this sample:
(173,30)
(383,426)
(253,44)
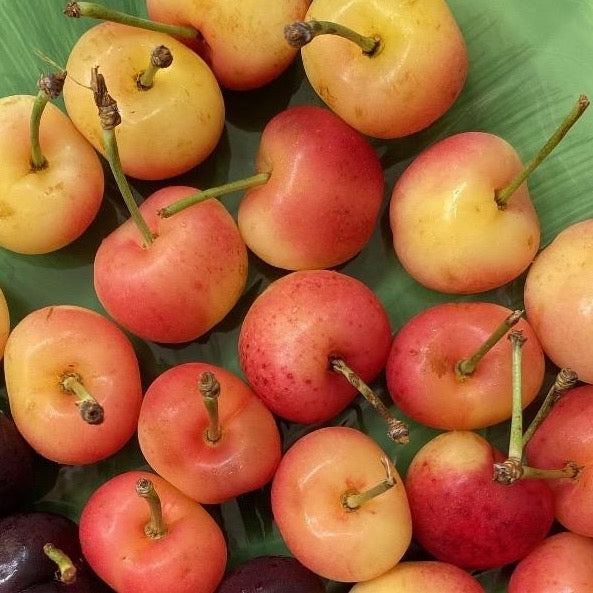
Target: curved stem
(160,57)
(565,379)
(155,528)
(466,366)
(214,192)
(110,119)
(353,500)
(210,390)
(301,33)
(398,431)
(50,86)
(91,411)
(98,11)
(502,196)
(66,572)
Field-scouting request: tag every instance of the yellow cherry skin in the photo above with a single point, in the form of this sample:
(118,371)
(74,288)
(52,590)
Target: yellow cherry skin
(243,42)
(44,210)
(165,130)
(412,78)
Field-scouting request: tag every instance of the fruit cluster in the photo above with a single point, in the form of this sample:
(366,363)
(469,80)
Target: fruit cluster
(326,388)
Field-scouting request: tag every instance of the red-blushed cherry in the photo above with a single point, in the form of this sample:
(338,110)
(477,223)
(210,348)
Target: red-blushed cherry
(448,367)
(315,197)
(139,533)
(310,340)
(461,515)
(561,563)
(566,435)
(184,282)
(73,383)
(205,431)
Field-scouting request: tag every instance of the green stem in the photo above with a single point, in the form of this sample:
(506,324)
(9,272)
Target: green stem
(160,57)
(502,196)
(565,379)
(98,11)
(66,572)
(353,500)
(91,411)
(398,431)
(210,390)
(516,437)
(214,192)
(38,161)
(466,366)
(110,119)
(155,528)
(301,33)
(50,86)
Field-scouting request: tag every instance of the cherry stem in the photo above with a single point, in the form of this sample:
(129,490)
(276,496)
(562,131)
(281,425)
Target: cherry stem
(160,57)
(511,470)
(353,500)
(398,430)
(98,11)
(66,572)
(50,86)
(300,33)
(155,528)
(110,119)
(466,366)
(214,192)
(210,390)
(571,470)
(91,411)
(516,437)
(565,379)
(502,196)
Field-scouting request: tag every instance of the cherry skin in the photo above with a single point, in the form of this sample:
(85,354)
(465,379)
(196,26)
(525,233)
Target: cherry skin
(421,575)
(296,326)
(189,557)
(167,129)
(462,516)
(322,200)
(243,458)
(43,210)
(332,540)
(181,285)
(445,221)
(561,562)
(422,369)
(410,80)
(566,435)
(557,296)
(45,351)
(242,43)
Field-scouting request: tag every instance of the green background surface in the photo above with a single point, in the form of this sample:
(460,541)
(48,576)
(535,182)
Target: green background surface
(529,61)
